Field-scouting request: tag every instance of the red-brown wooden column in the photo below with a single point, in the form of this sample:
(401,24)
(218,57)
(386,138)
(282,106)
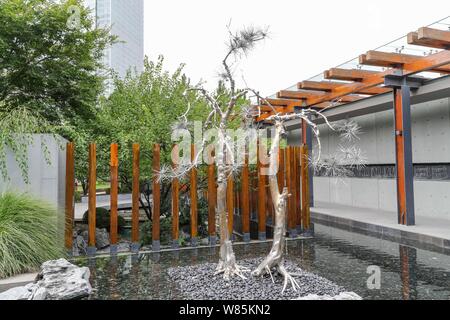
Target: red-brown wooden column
(70,193)
(261,196)
(306,177)
(290,181)
(403,156)
(92,198)
(230,205)
(281,169)
(212,199)
(135,200)
(114,192)
(156,231)
(298,193)
(175,201)
(306,224)
(245,201)
(193,194)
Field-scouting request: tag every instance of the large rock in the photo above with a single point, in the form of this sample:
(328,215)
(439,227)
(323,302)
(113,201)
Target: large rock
(57,280)
(101,238)
(341,296)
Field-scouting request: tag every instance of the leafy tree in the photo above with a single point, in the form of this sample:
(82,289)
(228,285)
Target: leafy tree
(48,65)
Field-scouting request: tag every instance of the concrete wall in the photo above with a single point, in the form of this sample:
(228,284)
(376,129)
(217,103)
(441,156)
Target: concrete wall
(431,145)
(46,181)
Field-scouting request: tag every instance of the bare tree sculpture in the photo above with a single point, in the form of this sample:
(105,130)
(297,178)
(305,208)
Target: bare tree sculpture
(240,43)
(348,155)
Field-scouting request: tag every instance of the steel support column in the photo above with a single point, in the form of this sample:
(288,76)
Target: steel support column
(403,146)
(307,140)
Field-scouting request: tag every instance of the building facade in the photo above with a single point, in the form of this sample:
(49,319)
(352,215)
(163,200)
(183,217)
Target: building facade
(126,20)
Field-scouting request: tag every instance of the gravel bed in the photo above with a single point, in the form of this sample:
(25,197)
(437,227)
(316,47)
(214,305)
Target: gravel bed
(199,283)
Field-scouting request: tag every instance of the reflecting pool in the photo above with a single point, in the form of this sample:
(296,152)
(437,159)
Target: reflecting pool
(349,259)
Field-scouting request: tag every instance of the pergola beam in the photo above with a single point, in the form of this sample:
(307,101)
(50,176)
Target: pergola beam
(328,86)
(429,37)
(393,60)
(347,74)
(303,95)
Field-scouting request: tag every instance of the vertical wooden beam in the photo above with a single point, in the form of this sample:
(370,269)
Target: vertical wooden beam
(156,245)
(135,200)
(307,140)
(245,204)
(281,169)
(306,225)
(92,198)
(193,194)
(212,198)
(403,156)
(114,192)
(230,204)
(175,201)
(270,212)
(70,194)
(297,200)
(292,191)
(261,196)
(254,193)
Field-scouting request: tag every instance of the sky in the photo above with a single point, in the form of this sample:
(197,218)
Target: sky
(306,37)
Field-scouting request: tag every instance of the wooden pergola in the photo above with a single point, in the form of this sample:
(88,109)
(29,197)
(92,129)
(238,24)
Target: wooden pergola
(397,74)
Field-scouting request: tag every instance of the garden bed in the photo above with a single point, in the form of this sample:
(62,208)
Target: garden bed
(198,282)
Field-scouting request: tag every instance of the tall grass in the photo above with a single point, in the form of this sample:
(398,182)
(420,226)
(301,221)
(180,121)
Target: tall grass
(28,233)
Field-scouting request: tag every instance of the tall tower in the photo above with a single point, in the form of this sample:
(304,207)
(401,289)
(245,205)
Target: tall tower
(126,20)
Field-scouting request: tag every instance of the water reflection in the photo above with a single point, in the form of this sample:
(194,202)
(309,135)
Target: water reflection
(340,256)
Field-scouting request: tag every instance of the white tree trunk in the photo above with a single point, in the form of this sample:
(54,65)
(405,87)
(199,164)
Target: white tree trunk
(275,257)
(227,261)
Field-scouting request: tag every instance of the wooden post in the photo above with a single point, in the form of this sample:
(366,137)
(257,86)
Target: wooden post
(403,156)
(281,169)
(230,204)
(135,199)
(261,198)
(70,193)
(290,182)
(245,198)
(175,202)
(212,198)
(92,198)
(305,189)
(193,194)
(297,200)
(156,212)
(114,192)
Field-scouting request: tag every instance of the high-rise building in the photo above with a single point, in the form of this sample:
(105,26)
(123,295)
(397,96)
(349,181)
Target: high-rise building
(126,20)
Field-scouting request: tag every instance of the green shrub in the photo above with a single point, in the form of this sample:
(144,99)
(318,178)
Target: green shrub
(78,195)
(28,233)
(102,219)
(184,221)
(165,224)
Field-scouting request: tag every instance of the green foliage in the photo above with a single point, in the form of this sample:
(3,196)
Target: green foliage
(103,219)
(141,110)
(165,225)
(28,234)
(46,65)
(184,221)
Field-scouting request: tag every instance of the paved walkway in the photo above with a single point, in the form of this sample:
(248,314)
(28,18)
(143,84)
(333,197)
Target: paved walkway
(428,230)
